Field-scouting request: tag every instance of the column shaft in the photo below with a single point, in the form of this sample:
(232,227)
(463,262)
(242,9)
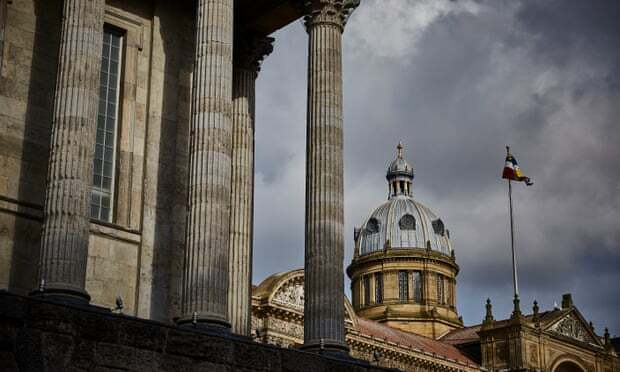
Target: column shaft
(248,52)
(324,241)
(205,283)
(64,241)
(242,201)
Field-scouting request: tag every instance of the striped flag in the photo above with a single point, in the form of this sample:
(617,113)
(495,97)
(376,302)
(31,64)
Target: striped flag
(513,172)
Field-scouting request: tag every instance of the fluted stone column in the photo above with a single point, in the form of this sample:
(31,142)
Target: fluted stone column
(64,241)
(205,281)
(248,53)
(324,242)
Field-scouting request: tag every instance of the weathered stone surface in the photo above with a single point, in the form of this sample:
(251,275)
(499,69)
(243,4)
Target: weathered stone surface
(64,245)
(205,284)
(324,241)
(49,348)
(247,59)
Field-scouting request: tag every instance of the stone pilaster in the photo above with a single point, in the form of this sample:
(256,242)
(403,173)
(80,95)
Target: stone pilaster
(205,281)
(248,53)
(324,235)
(64,241)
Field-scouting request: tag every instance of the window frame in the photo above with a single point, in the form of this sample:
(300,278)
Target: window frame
(379,287)
(403,285)
(366,288)
(113,192)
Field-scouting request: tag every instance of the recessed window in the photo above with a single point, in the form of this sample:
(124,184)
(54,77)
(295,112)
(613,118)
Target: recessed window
(417,286)
(107,126)
(366,284)
(438,227)
(403,285)
(441,296)
(372,227)
(407,222)
(379,288)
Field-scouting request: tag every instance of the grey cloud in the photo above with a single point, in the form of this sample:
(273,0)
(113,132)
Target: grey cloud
(536,75)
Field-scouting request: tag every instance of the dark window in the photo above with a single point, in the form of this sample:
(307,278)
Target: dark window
(379,288)
(403,285)
(366,290)
(417,286)
(441,298)
(407,222)
(438,227)
(372,226)
(107,126)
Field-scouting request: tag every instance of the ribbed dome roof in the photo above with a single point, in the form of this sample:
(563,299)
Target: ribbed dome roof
(405,223)
(401,220)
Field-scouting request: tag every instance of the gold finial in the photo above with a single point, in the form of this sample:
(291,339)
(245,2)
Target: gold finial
(399,149)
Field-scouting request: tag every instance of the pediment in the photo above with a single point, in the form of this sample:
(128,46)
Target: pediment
(572,325)
(289,295)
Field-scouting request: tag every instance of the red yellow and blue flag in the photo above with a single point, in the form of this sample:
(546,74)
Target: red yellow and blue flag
(513,172)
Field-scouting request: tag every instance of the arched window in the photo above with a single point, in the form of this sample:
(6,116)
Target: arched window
(438,227)
(372,227)
(407,222)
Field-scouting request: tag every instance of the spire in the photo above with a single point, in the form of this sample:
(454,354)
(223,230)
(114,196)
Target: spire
(489,316)
(399,150)
(516,312)
(607,341)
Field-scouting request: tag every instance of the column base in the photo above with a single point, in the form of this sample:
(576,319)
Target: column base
(63,294)
(208,323)
(334,348)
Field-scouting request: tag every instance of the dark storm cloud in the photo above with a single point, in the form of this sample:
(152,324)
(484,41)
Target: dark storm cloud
(456,82)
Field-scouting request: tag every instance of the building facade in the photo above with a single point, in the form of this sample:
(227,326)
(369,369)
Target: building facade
(126,181)
(127,148)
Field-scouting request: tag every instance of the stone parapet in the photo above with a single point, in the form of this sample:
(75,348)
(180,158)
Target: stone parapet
(42,336)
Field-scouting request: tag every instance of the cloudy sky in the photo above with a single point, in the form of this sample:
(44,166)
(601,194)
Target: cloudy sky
(456,81)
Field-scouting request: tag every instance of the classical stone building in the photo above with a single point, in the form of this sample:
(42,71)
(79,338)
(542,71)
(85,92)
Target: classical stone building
(126,182)
(127,148)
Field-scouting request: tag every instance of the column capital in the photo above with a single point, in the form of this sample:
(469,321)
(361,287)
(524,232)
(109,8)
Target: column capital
(331,12)
(250,50)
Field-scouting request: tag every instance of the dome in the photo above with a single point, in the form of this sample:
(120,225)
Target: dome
(405,223)
(402,221)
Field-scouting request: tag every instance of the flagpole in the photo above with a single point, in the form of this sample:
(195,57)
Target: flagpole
(512,247)
(512,243)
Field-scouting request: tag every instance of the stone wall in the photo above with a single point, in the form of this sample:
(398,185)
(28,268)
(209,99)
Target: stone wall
(40,336)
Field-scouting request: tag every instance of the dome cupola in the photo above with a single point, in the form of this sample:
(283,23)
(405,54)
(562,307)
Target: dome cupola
(399,175)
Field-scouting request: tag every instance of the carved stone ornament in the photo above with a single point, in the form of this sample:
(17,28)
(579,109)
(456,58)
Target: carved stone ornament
(572,327)
(335,12)
(287,328)
(291,295)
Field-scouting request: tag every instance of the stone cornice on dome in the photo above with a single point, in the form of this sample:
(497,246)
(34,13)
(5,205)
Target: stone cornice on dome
(401,255)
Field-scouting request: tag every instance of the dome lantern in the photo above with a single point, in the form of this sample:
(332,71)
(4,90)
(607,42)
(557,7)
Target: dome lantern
(399,175)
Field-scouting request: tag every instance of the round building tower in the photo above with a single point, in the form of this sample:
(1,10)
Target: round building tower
(403,271)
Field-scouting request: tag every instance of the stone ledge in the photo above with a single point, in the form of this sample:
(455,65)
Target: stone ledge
(37,335)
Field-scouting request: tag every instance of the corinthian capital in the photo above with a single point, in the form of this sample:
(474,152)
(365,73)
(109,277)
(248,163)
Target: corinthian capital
(333,12)
(250,51)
